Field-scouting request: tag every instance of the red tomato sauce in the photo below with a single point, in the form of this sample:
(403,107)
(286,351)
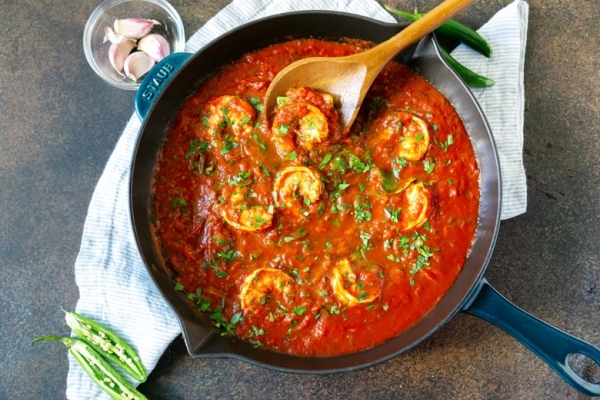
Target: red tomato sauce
(315,246)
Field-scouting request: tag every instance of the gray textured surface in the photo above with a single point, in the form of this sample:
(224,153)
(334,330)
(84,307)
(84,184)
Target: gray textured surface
(59,124)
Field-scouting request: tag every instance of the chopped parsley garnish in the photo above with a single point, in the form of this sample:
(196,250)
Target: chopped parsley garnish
(320,209)
(292,326)
(209,170)
(281,100)
(393,215)
(228,145)
(179,287)
(377,104)
(448,142)
(392,258)
(362,211)
(341,186)
(387,244)
(291,156)
(338,188)
(418,240)
(299,310)
(240,179)
(196,147)
(423,252)
(429,166)
(261,144)
(299,234)
(255,102)
(214,265)
(283,129)
(221,322)
(401,161)
(339,163)
(357,165)
(255,331)
(403,242)
(226,115)
(245,120)
(178,201)
(229,255)
(325,160)
(365,237)
(264,170)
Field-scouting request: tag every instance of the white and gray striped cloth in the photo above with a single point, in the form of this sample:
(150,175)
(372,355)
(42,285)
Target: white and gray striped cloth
(115,288)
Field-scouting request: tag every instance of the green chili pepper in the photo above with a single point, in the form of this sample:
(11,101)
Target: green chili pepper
(98,369)
(454,30)
(106,342)
(471,78)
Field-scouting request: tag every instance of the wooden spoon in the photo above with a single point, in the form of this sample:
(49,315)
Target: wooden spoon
(349,78)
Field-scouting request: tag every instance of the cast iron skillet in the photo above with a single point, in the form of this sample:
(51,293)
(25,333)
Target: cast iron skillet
(176,77)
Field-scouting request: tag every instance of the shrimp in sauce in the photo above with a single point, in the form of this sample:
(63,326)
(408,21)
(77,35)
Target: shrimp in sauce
(304,119)
(242,215)
(230,112)
(294,186)
(263,286)
(356,284)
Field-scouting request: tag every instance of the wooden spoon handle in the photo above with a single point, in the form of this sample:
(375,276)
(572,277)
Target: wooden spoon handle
(384,52)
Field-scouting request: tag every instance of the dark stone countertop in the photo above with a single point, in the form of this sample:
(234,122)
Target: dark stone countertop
(59,124)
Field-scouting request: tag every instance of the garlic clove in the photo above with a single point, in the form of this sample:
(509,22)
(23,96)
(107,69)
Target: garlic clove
(112,36)
(134,28)
(155,46)
(118,52)
(137,64)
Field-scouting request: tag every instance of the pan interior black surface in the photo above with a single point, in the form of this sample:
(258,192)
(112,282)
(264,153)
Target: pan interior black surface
(202,340)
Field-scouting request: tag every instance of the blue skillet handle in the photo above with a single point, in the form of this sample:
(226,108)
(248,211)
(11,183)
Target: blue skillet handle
(156,80)
(547,342)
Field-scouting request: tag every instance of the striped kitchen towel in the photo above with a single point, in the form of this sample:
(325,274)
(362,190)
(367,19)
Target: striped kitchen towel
(503,104)
(114,286)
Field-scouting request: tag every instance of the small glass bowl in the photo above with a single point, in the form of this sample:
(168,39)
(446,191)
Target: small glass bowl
(96,52)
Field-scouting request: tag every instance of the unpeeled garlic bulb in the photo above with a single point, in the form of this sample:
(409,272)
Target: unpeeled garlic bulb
(134,28)
(137,64)
(155,46)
